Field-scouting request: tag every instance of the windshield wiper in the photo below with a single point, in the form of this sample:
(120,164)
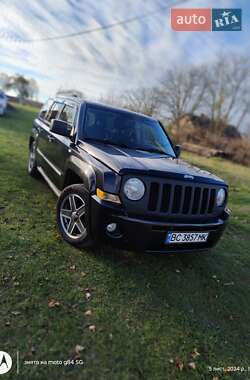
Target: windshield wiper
(121,145)
(154,150)
(108,142)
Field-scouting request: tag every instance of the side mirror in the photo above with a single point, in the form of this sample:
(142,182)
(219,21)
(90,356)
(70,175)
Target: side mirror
(178,150)
(60,128)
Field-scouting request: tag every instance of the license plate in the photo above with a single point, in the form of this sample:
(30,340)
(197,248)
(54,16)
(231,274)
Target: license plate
(186,237)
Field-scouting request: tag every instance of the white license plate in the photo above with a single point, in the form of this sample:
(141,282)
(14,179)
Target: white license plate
(186,237)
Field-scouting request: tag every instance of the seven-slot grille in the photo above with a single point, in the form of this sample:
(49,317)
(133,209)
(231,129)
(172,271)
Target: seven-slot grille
(188,199)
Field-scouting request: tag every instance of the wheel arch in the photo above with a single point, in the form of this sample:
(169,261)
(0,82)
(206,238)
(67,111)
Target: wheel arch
(78,171)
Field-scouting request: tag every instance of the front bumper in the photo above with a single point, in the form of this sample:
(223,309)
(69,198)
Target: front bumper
(145,235)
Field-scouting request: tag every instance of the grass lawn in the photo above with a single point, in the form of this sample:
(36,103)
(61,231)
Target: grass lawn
(150,312)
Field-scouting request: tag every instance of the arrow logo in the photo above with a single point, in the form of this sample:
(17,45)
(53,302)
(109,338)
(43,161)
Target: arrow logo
(5,362)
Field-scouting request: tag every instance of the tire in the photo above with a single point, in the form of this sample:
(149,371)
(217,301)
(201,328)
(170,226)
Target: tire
(32,165)
(73,219)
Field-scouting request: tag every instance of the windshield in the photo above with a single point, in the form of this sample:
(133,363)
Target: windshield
(126,130)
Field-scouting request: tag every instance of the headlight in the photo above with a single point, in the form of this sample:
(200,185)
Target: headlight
(134,189)
(220,198)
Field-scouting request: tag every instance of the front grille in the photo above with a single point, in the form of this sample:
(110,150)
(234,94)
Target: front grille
(181,199)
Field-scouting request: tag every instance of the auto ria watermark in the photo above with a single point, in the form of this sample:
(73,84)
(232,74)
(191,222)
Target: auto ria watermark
(206,19)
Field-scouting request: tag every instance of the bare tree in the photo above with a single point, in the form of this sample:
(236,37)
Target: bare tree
(4,79)
(33,89)
(112,99)
(19,84)
(182,91)
(25,88)
(221,90)
(143,100)
(228,91)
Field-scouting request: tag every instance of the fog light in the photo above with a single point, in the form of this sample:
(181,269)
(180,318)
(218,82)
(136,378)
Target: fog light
(111,227)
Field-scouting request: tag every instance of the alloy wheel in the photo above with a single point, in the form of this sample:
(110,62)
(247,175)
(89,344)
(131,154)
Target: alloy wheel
(72,215)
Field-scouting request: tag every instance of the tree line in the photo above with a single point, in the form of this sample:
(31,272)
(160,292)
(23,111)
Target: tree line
(220,90)
(25,88)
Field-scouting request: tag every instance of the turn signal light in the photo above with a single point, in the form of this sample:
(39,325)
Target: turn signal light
(107,196)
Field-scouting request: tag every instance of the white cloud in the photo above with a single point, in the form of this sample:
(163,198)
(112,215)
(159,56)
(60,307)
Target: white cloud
(123,57)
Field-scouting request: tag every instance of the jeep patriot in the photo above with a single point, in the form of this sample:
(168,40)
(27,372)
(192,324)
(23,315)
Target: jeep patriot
(118,178)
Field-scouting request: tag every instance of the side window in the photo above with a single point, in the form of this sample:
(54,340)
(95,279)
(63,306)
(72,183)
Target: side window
(45,108)
(54,111)
(68,115)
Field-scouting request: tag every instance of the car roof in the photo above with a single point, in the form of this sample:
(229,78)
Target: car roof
(78,100)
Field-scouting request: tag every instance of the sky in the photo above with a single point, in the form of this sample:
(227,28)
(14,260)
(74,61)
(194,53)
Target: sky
(112,60)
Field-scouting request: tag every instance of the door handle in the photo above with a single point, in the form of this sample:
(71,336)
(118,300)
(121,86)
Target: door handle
(51,138)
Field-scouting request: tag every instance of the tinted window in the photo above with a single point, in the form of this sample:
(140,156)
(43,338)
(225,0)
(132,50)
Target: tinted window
(54,111)
(45,108)
(127,130)
(68,114)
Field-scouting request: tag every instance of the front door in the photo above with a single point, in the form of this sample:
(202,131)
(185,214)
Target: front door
(45,144)
(59,146)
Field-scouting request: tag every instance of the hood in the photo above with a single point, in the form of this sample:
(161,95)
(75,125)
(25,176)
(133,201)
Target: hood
(125,161)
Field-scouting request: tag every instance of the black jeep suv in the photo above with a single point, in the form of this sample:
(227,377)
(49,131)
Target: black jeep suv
(119,179)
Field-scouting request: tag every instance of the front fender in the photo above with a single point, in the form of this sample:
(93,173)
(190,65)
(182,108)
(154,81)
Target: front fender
(34,133)
(84,171)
